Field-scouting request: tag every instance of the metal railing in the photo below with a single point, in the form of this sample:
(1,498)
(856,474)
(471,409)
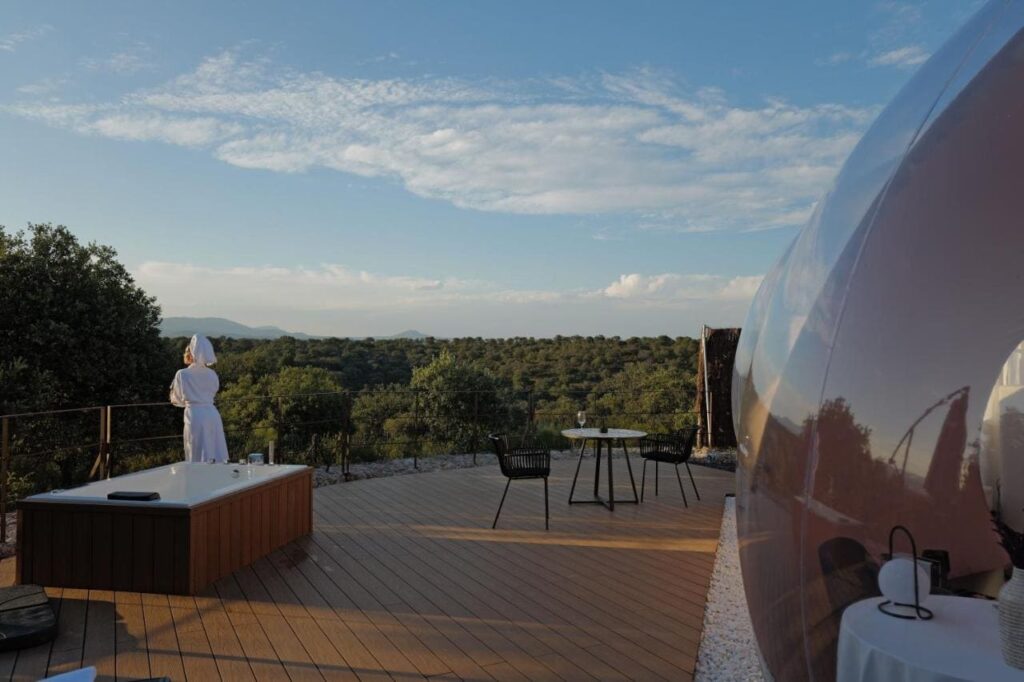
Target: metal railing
(414,426)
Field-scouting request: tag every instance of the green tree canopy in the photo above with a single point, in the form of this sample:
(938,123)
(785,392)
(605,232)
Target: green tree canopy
(289,406)
(76,328)
(458,400)
(646,395)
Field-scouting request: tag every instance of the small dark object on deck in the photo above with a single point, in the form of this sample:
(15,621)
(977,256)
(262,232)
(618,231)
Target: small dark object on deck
(133,496)
(26,617)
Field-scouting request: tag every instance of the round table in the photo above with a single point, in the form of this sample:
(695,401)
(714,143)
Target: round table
(607,439)
(960,643)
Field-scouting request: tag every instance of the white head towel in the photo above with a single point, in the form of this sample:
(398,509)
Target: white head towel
(202,351)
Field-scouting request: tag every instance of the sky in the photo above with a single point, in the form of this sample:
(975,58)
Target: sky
(463,168)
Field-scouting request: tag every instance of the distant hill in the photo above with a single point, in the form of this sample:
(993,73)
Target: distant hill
(409,334)
(219,326)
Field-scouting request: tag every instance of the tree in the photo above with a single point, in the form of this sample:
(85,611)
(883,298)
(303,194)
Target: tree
(385,423)
(290,406)
(458,401)
(76,331)
(645,396)
(75,324)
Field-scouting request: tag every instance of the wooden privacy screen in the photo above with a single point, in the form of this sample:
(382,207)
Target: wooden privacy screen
(715,360)
(151,549)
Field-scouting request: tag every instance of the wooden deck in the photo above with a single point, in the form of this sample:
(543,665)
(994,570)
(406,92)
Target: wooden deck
(404,579)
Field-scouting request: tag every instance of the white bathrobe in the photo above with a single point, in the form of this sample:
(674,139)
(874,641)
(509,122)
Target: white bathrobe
(194,389)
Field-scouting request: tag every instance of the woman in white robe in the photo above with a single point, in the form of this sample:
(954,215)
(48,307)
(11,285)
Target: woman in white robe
(194,389)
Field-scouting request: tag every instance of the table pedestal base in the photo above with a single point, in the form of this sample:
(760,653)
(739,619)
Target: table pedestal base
(609,504)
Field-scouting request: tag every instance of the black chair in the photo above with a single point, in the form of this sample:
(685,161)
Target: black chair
(521,463)
(850,573)
(670,448)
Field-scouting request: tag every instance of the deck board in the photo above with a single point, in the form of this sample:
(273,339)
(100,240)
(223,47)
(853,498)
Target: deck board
(196,656)
(403,579)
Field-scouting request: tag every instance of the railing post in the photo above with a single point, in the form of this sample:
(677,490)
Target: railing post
(346,426)
(107,433)
(416,427)
(278,421)
(476,424)
(346,455)
(99,466)
(530,413)
(5,454)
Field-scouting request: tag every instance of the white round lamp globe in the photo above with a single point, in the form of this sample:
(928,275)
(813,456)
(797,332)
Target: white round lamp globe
(896,580)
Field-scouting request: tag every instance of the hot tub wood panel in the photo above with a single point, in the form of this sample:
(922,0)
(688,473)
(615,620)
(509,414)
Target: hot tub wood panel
(164,550)
(234,531)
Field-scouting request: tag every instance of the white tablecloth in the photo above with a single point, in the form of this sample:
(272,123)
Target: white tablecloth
(960,643)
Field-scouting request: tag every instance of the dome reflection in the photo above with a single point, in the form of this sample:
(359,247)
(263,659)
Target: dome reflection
(864,380)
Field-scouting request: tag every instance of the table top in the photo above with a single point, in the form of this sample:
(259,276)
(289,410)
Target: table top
(960,643)
(613,434)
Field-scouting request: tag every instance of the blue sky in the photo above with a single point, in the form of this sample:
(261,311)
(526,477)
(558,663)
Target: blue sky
(462,168)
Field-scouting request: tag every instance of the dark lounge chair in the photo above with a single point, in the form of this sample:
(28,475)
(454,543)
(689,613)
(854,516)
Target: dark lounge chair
(26,617)
(521,463)
(670,448)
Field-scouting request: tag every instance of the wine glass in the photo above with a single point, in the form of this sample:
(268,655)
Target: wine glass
(581,418)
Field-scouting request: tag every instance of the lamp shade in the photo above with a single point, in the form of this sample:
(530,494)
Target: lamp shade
(896,580)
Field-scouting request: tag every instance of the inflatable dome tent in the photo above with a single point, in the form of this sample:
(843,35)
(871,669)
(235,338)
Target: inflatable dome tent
(878,379)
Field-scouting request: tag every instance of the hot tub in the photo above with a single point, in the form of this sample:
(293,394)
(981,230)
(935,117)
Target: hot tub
(210,520)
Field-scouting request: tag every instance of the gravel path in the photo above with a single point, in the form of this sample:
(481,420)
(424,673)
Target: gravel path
(727,648)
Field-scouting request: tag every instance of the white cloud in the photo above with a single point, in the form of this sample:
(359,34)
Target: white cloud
(123,63)
(11,41)
(388,57)
(837,58)
(741,288)
(45,86)
(903,57)
(895,41)
(619,143)
(326,287)
(184,131)
(672,287)
(332,299)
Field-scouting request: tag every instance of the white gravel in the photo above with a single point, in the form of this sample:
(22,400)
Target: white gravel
(399,467)
(717,458)
(407,465)
(728,650)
